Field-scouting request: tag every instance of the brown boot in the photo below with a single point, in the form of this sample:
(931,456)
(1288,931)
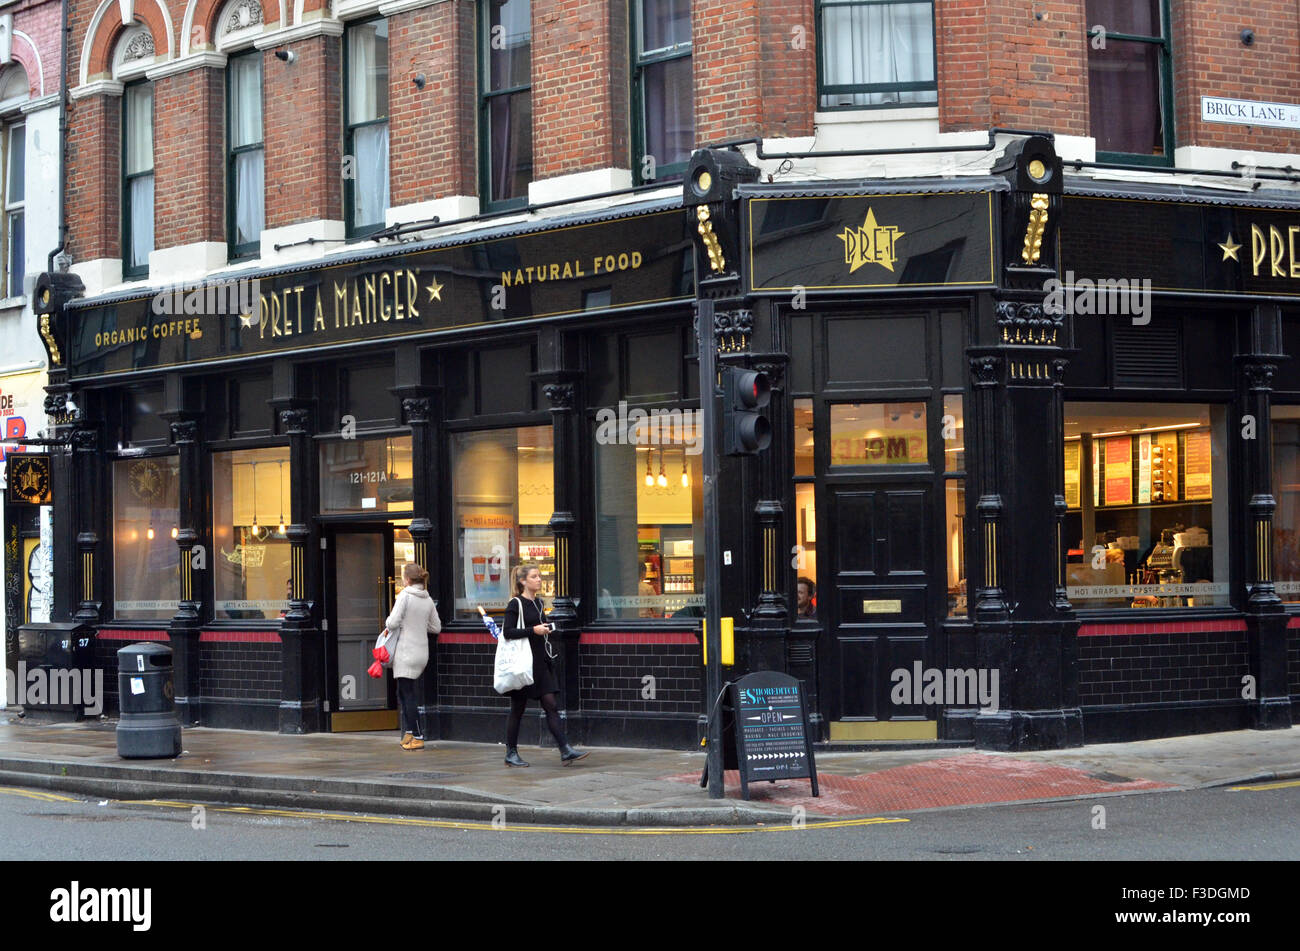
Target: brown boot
(406,740)
(415,744)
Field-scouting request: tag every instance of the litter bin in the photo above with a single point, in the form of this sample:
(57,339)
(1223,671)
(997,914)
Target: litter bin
(148,726)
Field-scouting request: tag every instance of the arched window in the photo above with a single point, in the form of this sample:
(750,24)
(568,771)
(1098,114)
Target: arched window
(133,55)
(14,91)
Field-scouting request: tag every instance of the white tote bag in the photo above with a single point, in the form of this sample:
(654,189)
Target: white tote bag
(514,662)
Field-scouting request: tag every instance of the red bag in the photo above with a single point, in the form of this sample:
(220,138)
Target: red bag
(376,670)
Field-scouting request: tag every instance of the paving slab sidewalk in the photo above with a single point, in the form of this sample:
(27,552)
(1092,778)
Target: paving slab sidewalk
(369,772)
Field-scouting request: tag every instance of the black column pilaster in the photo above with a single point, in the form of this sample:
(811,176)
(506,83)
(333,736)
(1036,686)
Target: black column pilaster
(195,549)
(1266,619)
(301,644)
(87,470)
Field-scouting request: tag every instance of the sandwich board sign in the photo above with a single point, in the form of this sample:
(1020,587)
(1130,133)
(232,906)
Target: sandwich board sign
(771,730)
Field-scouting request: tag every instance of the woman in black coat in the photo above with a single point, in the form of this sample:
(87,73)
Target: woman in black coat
(533,625)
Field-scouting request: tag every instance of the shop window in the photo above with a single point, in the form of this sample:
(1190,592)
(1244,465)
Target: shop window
(875,53)
(506,101)
(663,88)
(1130,90)
(1286,490)
(366,133)
(137,179)
(1146,494)
(503,492)
(805,512)
(251,505)
(245,162)
(366,475)
(878,434)
(146,559)
(953,433)
(649,514)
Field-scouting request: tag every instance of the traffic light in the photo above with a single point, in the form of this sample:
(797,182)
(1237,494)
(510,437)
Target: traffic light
(746,431)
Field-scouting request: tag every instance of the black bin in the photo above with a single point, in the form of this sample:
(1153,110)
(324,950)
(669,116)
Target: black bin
(149,727)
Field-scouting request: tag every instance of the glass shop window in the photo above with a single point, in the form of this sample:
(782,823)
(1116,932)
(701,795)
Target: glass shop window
(1286,490)
(503,485)
(649,514)
(146,560)
(953,433)
(1146,494)
(366,475)
(804,603)
(878,434)
(251,494)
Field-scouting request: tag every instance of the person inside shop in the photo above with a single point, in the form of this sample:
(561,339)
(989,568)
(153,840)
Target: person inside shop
(805,598)
(526,617)
(414,618)
(288,595)
(646,590)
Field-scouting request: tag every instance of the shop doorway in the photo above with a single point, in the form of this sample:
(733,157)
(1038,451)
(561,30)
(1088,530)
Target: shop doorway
(359,593)
(879,606)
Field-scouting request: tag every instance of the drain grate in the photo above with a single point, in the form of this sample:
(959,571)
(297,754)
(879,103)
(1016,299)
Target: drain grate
(420,774)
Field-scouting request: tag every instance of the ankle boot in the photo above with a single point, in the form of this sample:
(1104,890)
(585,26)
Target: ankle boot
(512,758)
(569,755)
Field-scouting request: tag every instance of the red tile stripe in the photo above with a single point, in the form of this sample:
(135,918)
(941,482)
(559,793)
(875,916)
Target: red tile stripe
(1294,622)
(133,636)
(1171,627)
(239,637)
(466,637)
(622,637)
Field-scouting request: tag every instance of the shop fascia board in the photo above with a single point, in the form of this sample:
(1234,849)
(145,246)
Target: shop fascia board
(375,253)
(1201,193)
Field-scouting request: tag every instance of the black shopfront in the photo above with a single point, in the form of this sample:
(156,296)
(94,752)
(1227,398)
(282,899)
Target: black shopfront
(245,482)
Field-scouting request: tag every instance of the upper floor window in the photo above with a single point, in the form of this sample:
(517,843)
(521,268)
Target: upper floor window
(245,160)
(137,178)
(365,171)
(663,88)
(1129,84)
(506,101)
(875,53)
(13,141)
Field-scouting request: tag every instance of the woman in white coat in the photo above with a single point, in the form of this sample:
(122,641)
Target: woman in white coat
(414,618)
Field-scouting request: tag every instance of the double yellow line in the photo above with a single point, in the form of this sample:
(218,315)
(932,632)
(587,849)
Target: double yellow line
(1287,785)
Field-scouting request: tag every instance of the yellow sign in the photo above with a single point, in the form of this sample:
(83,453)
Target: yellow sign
(894,606)
(870,244)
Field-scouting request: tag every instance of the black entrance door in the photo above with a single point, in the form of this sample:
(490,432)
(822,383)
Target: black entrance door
(881,606)
(359,596)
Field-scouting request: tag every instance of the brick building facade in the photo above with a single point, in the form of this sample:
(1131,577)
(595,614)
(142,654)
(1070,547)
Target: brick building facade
(522,154)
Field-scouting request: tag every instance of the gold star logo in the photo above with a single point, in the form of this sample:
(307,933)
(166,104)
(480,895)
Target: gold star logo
(434,289)
(1230,249)
(246,319)
(870,244)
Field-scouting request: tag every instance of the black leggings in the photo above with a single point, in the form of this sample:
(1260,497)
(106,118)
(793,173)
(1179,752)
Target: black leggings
(549,707)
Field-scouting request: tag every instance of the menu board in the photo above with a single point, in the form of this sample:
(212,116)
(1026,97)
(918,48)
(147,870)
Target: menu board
(1119,471)
(1072,474)
(1197,464)
(771,730)
(1144,468)
(1164,468)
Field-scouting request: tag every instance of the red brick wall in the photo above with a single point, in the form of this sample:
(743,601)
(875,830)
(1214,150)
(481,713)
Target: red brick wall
(727,70)
(189,153)
(431,130)
(93,174)
(304,133)
(788,67)
(1211,60)
(580,90)
(1011,64)
(39,20)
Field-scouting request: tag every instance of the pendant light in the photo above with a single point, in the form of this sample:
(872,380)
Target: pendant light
(282,497)
(649,476)
(175,531)
(686,479)
(663,479)
(254,528)
(149,532)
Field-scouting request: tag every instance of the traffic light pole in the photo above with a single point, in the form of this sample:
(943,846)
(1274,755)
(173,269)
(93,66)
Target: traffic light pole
(712,544)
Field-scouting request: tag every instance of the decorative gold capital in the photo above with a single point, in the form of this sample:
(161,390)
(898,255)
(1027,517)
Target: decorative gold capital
(716,260)
(1037,224)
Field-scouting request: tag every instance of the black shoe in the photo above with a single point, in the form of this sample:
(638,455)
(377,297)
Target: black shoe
(568,754)
(512,758)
